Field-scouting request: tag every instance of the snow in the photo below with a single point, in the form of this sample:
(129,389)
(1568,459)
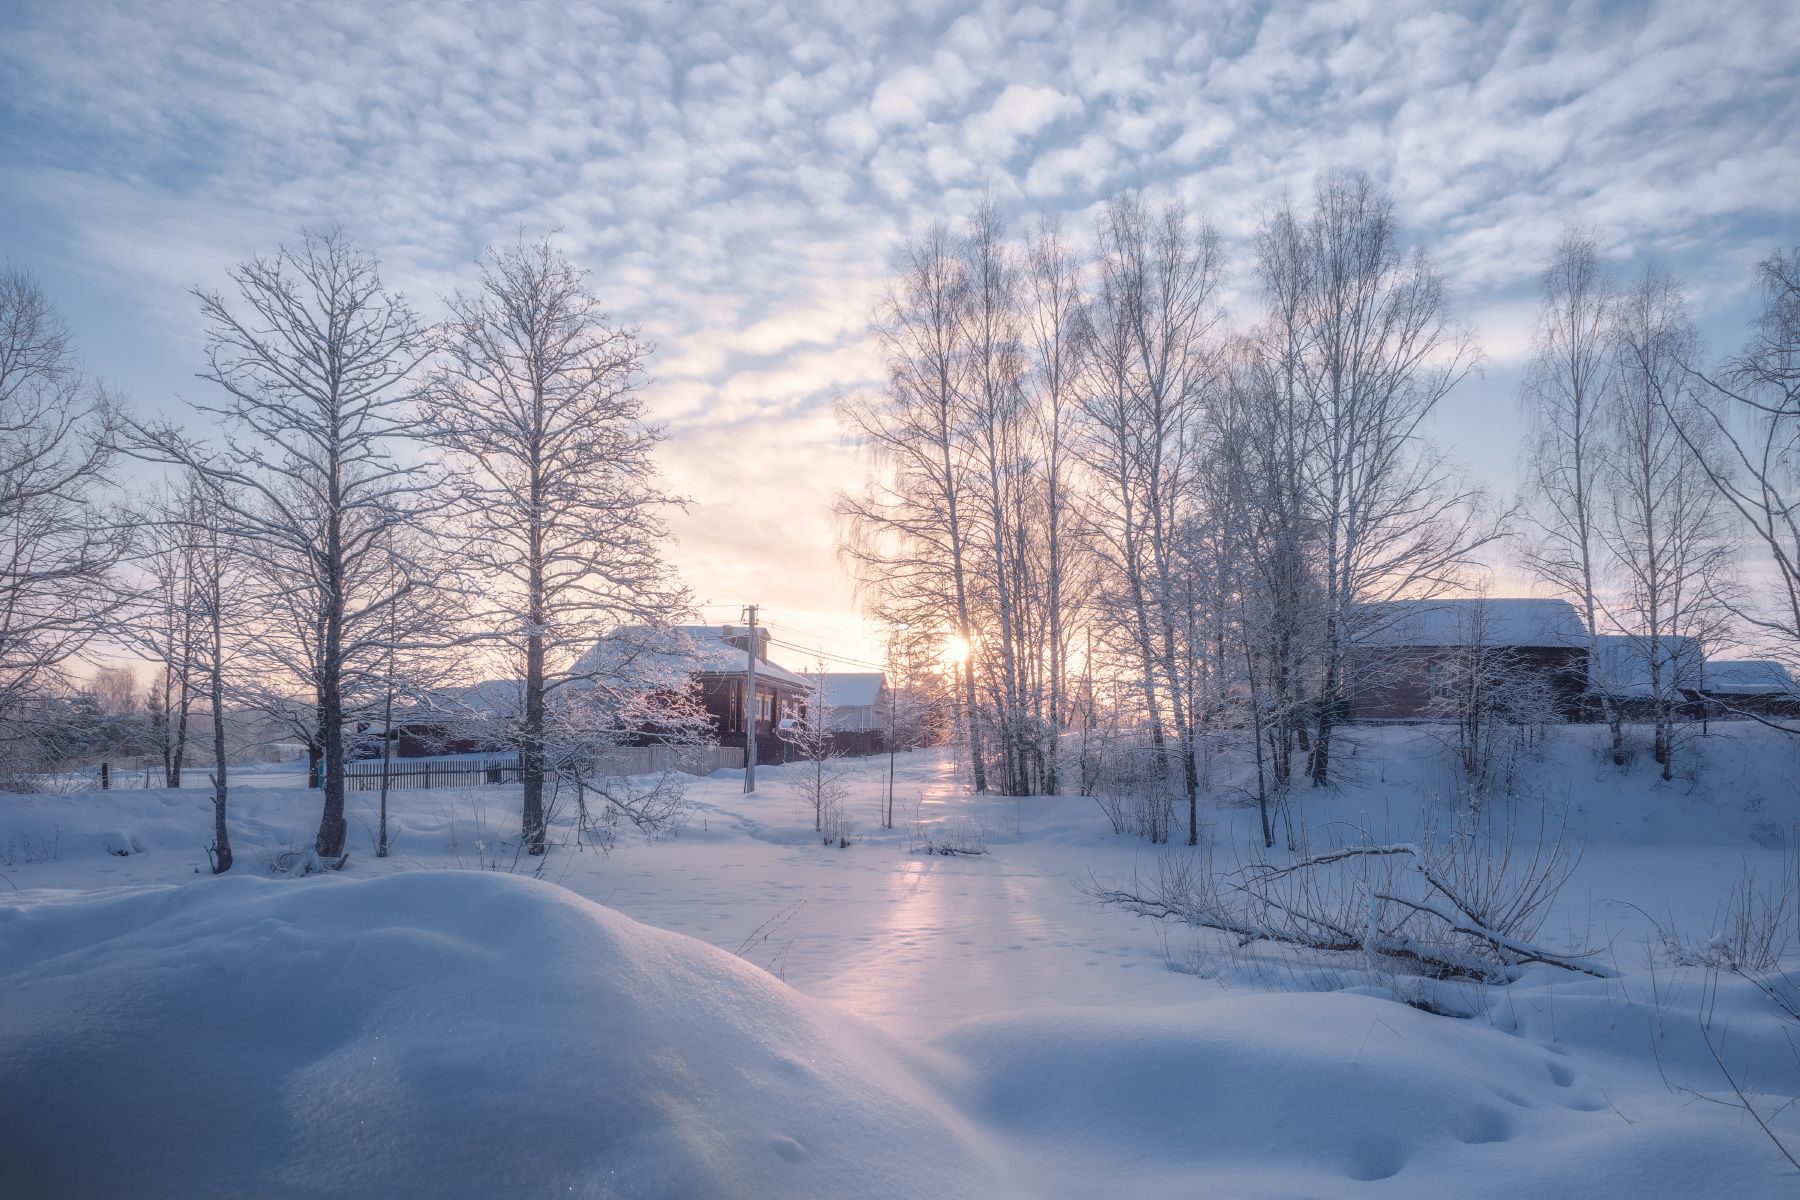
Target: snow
(1505,621)
(853,689)
(1749,677)
(1625,660)
(700,649)
(917,1026)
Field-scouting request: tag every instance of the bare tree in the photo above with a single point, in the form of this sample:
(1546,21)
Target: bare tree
(1565,391)
(1747,443)
(1375,354)
(1056,325)
(1148,368)
(58,544)
(817,767)
(1662,522)
(314,356)
(906,532)
(538,399)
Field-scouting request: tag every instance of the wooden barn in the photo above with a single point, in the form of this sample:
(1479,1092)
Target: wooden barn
(1759,687)
(1407,656)
(1632,671)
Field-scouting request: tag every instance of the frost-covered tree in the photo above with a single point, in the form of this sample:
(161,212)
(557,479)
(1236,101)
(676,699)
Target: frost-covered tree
(1565,391)
(816,771)
(1662,525)
(538,400)
(1149,366)
(314,472)
(907,530)
(1746,440)
(59,545)
(1373,354)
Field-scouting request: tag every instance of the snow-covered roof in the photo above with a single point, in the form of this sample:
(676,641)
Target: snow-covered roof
(698,649)
(852,689)
(1749,677)
(1621,666)
(1508,621)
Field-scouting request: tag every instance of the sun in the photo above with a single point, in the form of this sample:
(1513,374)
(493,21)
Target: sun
(955,652)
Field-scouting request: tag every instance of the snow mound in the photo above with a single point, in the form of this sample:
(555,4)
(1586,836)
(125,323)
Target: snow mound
(433,1033)
(1321,1095)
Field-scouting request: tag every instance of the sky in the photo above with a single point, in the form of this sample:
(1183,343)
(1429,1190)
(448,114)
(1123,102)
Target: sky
(737,178)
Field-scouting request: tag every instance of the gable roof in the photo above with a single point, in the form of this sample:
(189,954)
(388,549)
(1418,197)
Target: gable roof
(696,649)
(1621,667)
(1749,677)
(852,689)
(1432,624)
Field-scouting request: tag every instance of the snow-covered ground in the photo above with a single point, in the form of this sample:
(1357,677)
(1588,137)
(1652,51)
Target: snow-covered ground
(948,1026)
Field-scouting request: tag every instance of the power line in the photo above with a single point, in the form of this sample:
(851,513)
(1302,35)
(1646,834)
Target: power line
(836,658)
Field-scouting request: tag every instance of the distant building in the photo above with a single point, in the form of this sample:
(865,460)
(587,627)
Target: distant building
(1751,687)
(1405,655)
(1630,670)
(856,701)
(715,659)
(718,661)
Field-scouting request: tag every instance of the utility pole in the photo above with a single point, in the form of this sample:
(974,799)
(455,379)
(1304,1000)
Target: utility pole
(752,707)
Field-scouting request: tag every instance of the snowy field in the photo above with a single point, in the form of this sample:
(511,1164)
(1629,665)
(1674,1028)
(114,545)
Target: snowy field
(741,1011)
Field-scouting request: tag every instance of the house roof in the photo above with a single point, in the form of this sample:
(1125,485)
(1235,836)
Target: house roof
(698,649)
(1507,621)
(1622,662)
(1749,677)
(852,689)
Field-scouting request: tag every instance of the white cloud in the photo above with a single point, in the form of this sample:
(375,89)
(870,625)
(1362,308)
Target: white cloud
(736,178)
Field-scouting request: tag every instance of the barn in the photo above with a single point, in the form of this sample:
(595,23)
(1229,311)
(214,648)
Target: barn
(1622,671)
(1758,687)
(1405,655)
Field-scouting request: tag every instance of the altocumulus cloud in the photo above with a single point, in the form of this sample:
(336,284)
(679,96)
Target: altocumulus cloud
(737,175)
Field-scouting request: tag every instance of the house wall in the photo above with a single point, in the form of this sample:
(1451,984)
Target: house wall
(721,696)
(1394,683)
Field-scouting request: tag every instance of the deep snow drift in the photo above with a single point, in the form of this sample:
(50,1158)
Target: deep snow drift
(940,1027)
(434,1034)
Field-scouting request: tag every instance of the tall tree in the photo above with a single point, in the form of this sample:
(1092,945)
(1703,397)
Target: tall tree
(538,398)
(59,545)
(1663,524)
(1056,327)
(1565,392)
(907,532)
(313,477)
(1375,353)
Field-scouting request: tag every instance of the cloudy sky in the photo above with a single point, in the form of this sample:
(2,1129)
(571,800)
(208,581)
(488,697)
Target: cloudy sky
(737,176)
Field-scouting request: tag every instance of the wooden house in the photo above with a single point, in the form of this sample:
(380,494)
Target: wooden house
(1406,657)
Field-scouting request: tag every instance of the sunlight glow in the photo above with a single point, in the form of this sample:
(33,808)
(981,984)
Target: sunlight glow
(955,652)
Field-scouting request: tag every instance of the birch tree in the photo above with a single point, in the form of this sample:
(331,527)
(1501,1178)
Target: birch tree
(538,399)
(314,475)
(1144,391)
(1747,443)
(1056,326)
(1375,354)
(1663,525)
(1565,392)
(906,532)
